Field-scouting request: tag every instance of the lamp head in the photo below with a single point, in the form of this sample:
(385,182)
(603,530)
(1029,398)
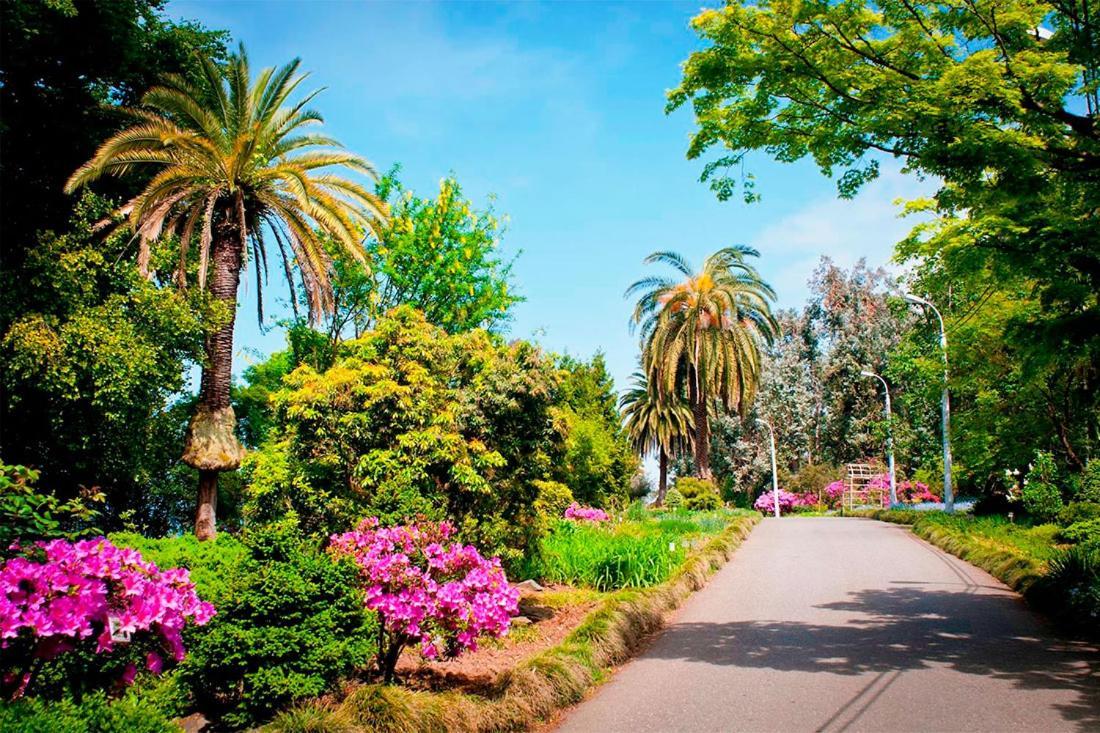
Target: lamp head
(868,374)
(916,299)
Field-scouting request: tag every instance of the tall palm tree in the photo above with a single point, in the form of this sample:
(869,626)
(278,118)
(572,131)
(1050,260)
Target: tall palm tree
(656,424)
(701,333)
(234,164)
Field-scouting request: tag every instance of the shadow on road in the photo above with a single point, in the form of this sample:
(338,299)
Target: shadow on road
(906,628)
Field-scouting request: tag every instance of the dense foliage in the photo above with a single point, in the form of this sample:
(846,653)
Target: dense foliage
(91,359)
(411,420)
(290,625)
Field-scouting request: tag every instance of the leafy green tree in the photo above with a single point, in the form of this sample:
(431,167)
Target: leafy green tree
(597,463)
(235,162)
(92,363)
(702,334)
(656,424)
(66,66)
(998,100)
(441,256)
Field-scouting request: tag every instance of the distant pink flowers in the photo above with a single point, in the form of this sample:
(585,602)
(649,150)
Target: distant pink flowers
(787,501)
(909,492)
(442,595)
(59,594)
(580,513)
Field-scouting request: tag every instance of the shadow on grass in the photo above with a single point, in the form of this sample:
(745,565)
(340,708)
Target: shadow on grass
(886,632)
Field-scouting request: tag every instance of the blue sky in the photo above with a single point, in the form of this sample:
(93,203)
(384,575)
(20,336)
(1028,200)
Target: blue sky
(557,109)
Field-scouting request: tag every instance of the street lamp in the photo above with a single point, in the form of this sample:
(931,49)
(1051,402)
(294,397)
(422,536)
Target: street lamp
(889,438)
(775,478)
(945,406)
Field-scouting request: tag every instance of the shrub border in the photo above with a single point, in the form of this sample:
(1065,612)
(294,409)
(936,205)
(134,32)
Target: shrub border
(540,686)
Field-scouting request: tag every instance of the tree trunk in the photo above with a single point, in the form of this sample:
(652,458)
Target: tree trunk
(205,513)
(212,445)
(662,480)
(702,433)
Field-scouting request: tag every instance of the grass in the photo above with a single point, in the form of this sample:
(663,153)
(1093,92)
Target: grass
(634,553)
(553,679)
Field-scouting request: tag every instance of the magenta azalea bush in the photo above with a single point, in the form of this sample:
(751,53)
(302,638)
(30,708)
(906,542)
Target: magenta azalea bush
(580,513)
(428,591)
(787,501)
(62,598)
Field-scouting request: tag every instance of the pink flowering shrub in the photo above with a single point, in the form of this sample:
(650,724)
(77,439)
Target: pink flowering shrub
(580,513)
(428,591)
(909,492)
(89,602)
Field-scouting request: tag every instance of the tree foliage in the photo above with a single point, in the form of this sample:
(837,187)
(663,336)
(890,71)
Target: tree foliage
(92,363)
(66,66)
(441,256)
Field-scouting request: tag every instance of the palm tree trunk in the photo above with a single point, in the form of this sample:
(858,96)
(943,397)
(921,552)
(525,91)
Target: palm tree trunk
(212,445)
(662,480)
(702,428)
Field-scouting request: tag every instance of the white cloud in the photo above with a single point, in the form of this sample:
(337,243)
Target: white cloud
(867,226)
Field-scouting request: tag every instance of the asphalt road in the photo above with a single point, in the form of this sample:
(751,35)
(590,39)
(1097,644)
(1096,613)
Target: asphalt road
(827,624)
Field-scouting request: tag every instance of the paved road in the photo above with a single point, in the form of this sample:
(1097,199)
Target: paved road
(827,624)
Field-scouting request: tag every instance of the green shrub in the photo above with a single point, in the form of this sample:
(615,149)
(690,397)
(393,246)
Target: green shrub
(1082,533)
(1041,497)
(699,494)
(1078,511)
(553,499)
(674,499)
(94,714)
(1089,490)
(1071,587)
(291,622)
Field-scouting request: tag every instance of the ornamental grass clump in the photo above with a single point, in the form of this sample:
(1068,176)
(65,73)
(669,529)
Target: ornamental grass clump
(631,555)
(90,613)
(428,591)
(579,513)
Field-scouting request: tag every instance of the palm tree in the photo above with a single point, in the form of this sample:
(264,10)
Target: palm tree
(701,333)
(233,164)
(656,424)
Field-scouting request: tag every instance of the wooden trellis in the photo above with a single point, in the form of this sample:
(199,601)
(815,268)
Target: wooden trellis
(858,485)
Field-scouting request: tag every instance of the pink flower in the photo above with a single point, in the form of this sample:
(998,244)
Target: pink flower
(428,591)
(585,514)
(62,593)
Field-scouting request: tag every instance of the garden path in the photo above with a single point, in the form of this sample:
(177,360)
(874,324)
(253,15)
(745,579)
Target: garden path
(829,624)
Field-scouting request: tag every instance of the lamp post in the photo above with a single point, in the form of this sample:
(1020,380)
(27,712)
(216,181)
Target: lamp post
(775,477)
(889,438)
(945,406)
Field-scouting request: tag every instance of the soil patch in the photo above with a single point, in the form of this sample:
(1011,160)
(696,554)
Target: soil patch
(478,672)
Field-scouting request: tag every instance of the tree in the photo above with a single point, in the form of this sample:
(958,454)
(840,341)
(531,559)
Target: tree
(656,424)
(411,420)
(65,68)
(441,257)
(980,95)
(90,363)
(232,160)
(596,461)
(702,334)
